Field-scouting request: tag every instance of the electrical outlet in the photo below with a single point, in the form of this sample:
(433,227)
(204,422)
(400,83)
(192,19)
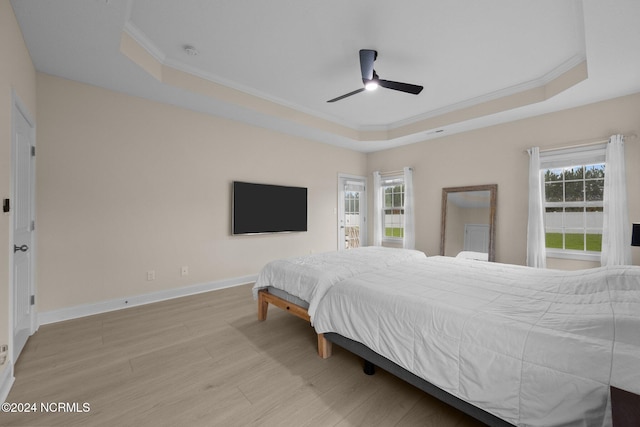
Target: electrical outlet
(184,271)
(151,275)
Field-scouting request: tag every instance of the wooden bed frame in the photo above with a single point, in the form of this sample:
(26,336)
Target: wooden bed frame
(265,298)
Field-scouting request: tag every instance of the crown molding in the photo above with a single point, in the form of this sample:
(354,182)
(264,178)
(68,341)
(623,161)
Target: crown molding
(557,72)
(423,125)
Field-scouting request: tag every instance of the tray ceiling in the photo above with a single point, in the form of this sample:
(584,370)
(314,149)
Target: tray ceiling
(275,64)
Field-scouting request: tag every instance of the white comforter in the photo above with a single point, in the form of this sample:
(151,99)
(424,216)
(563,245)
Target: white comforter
(309,277)
(534,347)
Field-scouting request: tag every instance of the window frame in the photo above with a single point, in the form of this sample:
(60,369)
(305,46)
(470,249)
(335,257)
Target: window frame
(386,182)
(568,158)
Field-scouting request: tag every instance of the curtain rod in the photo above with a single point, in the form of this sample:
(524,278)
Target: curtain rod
(584,143)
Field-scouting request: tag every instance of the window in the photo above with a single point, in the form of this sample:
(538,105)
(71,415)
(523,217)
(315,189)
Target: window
(393,209)
(573,203)
(352,205)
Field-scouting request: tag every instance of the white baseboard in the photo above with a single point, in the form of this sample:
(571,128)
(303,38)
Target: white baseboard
(6,381)
(120,303)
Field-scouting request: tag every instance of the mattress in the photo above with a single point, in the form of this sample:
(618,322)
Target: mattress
(288,297)
(534,347)
(309,277)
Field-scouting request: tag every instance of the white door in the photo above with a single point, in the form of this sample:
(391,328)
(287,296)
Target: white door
(352,211)
(23,166)
(476,237)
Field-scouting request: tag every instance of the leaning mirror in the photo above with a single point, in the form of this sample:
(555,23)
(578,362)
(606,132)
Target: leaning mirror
(467,227)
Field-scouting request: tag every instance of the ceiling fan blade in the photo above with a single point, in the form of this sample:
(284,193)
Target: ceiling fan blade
(402,87)
(367,57)
(345,95)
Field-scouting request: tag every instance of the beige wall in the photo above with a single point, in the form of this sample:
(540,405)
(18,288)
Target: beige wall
(495,155)
(18,74)
(127,185)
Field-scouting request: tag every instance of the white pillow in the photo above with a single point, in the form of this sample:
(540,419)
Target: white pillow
(478,256)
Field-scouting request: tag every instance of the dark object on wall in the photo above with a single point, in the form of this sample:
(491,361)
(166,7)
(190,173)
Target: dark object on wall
(6,206)
(635,235)
(625,408)
(264,208)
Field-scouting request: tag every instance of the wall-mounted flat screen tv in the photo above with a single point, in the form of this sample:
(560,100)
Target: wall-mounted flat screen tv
(264,208)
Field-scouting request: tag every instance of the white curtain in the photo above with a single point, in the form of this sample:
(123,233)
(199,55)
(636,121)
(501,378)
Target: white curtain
(616,235)
(409,240)
(377,210)
(536,251)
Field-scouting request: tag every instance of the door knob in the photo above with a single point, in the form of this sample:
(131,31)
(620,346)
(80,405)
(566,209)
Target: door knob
(23,248)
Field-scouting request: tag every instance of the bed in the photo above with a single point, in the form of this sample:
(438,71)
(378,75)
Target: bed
(297,284)
(510,344)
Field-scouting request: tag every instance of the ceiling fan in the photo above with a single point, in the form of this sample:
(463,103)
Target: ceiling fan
(371,80)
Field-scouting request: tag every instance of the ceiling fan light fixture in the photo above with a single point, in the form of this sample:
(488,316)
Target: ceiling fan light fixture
(371,81)
(371,85)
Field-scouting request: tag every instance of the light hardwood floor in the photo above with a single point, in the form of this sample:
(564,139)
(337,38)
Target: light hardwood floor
(205,360)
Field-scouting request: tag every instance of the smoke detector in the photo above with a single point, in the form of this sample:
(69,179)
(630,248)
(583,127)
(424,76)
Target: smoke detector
(190,50)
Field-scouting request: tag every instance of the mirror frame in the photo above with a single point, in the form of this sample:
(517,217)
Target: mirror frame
(493,191)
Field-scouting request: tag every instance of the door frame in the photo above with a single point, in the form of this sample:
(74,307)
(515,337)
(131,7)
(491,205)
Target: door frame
(340,209)
(18,107)
(470,227)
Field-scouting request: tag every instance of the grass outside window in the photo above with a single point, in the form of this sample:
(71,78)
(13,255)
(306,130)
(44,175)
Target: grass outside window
(394,232)
(574,241)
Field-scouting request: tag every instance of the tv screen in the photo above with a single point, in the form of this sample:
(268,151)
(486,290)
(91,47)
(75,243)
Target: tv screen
(263,208)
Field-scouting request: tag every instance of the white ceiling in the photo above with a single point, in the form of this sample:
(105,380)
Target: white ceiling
(294,55)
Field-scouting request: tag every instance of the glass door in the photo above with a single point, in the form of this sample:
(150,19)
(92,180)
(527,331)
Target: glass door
(352,207)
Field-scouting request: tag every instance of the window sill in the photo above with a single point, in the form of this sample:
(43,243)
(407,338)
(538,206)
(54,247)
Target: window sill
(576,255)
(392,240)
(392,243)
